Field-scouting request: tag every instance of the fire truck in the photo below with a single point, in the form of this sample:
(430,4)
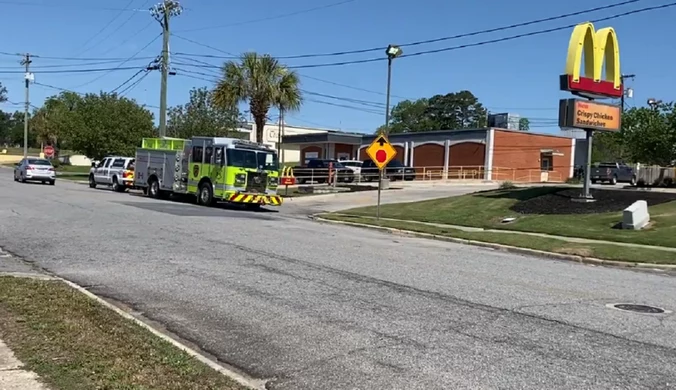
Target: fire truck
(210,168)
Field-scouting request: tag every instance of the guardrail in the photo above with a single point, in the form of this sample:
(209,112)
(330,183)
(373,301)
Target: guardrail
(453,173)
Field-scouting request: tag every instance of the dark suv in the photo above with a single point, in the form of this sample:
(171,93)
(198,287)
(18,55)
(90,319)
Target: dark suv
(394,170)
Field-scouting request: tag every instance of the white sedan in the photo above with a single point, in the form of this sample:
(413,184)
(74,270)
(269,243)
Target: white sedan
(35,169)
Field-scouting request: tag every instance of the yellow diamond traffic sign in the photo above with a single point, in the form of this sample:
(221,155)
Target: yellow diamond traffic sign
(381,151)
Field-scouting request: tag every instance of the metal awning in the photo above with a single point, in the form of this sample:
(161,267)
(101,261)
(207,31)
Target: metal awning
(551,152)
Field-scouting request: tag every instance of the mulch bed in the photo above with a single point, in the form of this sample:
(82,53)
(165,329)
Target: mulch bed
(560,202)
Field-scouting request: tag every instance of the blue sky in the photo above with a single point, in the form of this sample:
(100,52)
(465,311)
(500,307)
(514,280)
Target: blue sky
(519,76)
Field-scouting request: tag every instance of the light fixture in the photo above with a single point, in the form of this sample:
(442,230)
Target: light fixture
(393,51)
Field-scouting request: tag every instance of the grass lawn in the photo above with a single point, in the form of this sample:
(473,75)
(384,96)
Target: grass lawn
(73,343)
(487,209)
(601,251)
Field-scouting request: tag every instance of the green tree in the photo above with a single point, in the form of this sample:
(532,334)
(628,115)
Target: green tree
(261,81)
(97,125)
(649,135)
(452,111)
(411,117)
(524,124)
(3,93)
(201,117)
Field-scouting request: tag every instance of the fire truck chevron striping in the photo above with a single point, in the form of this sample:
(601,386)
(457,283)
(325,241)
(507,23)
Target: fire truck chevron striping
(211,168)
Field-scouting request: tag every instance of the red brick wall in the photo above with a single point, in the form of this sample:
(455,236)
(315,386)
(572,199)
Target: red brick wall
(467,154)
(400,153)
(429,155)
(344,148)
(306,149)
(516,156)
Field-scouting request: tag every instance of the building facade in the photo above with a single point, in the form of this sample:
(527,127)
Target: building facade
(487,154)
(288,153)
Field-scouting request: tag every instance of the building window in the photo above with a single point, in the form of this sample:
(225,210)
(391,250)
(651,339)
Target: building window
(546,162)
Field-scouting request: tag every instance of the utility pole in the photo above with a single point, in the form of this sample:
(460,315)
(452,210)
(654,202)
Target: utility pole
(163,12)
(624,90)
(26,62)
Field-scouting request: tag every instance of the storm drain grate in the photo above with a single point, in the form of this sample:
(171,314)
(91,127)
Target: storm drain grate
(644,309)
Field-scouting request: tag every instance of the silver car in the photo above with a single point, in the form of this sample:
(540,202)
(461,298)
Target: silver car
(35,169)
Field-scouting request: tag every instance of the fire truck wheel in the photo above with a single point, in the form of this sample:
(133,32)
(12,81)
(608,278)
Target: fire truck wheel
(206,195)
(154,188)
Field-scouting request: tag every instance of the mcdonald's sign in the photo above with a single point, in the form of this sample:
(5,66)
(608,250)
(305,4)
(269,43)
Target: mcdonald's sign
(599,48)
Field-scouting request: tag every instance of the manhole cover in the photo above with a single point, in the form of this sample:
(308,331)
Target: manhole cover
(644,309)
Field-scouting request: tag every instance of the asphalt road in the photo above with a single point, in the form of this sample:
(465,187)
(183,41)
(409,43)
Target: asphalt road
(313,306)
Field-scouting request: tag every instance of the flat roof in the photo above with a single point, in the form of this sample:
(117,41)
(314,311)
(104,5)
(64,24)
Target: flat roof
(358,139)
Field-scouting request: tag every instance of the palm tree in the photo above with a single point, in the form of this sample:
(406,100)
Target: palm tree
(261,81)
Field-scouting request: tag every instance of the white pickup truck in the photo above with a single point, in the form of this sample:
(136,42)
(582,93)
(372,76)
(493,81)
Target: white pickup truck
(117,172)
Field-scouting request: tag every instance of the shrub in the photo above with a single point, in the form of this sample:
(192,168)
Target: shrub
(668,181)
(507,185)
(574,180)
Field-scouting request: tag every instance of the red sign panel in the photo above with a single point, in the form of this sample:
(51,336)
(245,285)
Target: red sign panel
(288,181)
(49,151)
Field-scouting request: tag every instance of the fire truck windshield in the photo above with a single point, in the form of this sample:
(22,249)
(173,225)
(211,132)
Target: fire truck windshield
(252,159)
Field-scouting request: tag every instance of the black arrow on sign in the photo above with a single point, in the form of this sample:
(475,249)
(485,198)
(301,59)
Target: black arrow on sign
(381,140)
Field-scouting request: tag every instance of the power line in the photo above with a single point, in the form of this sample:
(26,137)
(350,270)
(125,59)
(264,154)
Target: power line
(65,65)
(135,35)
(62,5)
(375,112)
(128,80)
(300,12)
(487,42)
(123,23)
(74,70)
(447,38)
(122,63)
(133,85)
(203,45)
(91,38)
(475,44)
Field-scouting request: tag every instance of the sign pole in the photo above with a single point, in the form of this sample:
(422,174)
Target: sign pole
(380,185)
(381,153)
(587,168)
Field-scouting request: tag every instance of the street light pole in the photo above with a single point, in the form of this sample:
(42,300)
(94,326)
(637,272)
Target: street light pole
(387,99)
(392,51)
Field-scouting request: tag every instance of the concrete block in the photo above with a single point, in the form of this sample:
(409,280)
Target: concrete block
(636,217)
(385,184)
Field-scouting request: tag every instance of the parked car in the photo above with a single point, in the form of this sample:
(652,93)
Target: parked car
(354,165)
(35,169)
(613,173)
(318,170)
(116,172)
(395,170)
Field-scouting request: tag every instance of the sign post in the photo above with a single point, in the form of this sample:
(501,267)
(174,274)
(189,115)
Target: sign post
(287,179)
(381,152)
(598,47)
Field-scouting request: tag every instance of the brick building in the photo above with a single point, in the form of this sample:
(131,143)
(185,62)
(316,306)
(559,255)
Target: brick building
(489,154)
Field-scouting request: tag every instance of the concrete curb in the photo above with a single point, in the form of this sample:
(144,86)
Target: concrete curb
(251,383)
(506,248)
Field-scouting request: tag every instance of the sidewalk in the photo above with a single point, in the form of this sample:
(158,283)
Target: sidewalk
(12,376)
